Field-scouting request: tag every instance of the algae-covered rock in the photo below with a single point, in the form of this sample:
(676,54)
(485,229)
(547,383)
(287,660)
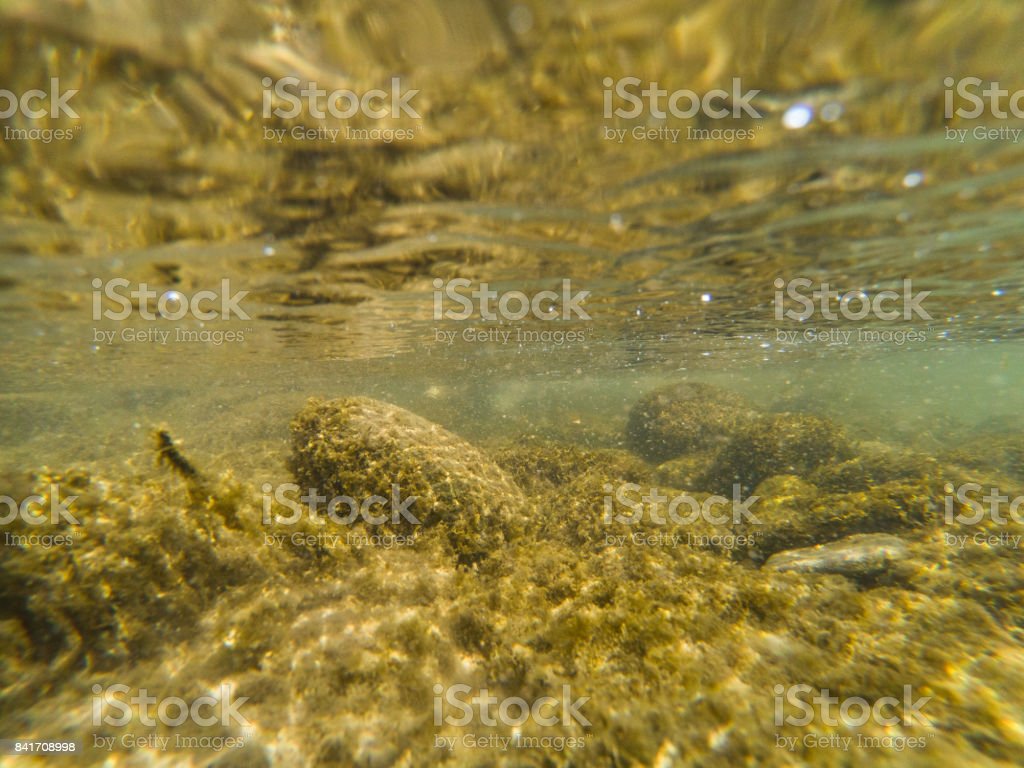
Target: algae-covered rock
(106,584)
(779,444)
(686,471)
(874,465)
(539,466)
(993,450)
(792,513)
(360,447)
(673,420)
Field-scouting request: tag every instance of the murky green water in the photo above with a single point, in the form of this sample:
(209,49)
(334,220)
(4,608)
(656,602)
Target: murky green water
(651,332)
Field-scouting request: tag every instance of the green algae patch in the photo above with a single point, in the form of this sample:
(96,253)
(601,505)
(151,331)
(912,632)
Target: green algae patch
(139,569)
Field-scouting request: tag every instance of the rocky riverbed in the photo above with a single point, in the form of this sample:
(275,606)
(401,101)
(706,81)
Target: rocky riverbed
(667,607)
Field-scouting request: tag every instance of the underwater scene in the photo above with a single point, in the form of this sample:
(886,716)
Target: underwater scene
(511,383)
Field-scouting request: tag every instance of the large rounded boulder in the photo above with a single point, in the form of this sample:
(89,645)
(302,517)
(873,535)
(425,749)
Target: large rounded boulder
(361,448)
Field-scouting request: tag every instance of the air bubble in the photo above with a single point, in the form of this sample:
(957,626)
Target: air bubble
(913,179)
(797,116)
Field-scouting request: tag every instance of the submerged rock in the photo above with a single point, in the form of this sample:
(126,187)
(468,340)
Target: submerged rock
(998,449)
(541,466)
(779,444)
(680,418)
(792,513)
(361,447)
(100,585)
(874,465)
(856,557)
(686,471)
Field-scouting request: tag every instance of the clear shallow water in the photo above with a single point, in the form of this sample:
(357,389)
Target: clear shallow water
(675,294)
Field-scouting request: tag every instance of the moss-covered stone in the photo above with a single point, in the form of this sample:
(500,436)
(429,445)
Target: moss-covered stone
(874,464)
(128,575)
(539,465)
(674,420)
(777,444)
(360,447)
(993,450)
(689,471)
(791,513)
